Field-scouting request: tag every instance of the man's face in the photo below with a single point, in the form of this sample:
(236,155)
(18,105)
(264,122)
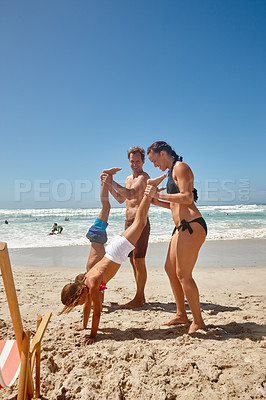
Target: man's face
(136,162)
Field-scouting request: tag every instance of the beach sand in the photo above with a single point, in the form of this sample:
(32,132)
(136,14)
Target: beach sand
(134,357)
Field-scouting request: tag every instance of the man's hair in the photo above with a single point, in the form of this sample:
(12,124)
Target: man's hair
(134,150)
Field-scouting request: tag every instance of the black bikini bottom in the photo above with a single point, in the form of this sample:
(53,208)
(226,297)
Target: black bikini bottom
(186,225)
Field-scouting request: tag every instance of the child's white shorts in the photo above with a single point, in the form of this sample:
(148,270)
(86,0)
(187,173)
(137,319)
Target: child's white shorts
(118,249)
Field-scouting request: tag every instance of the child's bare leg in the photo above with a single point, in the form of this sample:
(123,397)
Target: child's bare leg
(156,181)
(111,171)
(97,252)
(106,207)
(133,233)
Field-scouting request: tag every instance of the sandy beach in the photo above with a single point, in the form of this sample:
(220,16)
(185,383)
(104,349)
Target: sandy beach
(135,357)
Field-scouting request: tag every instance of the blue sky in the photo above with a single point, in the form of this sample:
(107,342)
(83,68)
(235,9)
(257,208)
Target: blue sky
(82,81)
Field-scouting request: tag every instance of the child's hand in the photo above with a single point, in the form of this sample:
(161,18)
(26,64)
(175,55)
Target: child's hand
(88,339)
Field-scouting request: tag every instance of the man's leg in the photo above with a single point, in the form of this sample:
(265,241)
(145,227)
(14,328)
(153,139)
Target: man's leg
(140,272)
(132,234)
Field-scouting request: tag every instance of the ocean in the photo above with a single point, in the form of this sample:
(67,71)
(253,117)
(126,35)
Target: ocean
(30,228)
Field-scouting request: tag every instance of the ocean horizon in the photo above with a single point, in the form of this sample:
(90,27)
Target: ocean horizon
(30,228)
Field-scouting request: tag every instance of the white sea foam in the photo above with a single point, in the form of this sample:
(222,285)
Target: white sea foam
(30,228)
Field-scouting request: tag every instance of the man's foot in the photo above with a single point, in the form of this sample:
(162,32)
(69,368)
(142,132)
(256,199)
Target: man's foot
(176,321)
(195,327)
(135,303)
(156,181)
(111,171)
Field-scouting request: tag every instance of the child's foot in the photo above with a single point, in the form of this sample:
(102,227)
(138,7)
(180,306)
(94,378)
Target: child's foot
(111,171)
(156,181)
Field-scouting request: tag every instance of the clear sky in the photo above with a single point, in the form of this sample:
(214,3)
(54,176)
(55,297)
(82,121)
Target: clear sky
(82,81)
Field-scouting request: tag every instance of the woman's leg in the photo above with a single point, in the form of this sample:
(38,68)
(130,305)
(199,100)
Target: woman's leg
(187,249)
(170,268)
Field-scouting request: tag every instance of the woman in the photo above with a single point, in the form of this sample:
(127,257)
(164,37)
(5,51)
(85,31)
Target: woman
(188,236)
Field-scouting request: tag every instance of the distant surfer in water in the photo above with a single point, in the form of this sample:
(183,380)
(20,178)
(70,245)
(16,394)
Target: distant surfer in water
(56,229)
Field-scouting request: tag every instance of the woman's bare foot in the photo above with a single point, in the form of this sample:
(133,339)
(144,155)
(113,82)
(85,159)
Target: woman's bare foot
(195,327)
(177,320)
(156,181)
(111,171)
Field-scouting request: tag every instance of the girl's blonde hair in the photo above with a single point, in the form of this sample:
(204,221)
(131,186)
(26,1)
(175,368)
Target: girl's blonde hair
(71,293)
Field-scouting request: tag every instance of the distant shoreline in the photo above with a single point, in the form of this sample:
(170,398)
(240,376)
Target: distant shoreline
(214,253)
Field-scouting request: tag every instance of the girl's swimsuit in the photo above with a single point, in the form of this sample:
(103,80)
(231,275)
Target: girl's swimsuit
(102,286)
(173,188)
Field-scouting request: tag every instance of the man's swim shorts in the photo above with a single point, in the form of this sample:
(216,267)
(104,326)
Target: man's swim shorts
(142,244)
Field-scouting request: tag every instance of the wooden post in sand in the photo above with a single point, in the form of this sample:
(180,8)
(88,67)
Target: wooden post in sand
(12,300)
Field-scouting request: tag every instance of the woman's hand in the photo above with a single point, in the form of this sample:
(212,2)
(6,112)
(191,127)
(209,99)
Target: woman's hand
(151,191)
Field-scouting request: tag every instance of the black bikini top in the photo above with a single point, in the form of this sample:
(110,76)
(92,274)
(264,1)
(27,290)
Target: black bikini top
(172,187)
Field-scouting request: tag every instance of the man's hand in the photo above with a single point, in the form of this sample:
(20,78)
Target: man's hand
(106,178)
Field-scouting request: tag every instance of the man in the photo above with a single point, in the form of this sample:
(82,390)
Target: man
(132,193)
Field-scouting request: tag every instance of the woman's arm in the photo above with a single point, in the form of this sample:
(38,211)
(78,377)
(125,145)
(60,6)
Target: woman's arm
(183,176)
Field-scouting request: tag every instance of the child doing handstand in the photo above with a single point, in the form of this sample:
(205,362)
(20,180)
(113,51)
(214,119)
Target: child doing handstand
(98,237)
(90,288)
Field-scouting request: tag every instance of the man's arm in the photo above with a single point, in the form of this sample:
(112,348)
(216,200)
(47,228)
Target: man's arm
(132,193)
(108,179)
(116,195)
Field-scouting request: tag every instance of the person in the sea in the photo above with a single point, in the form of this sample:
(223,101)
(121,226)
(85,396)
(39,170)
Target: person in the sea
(56,228)
(98,237)
(189,233)
(90,287)
(132,193)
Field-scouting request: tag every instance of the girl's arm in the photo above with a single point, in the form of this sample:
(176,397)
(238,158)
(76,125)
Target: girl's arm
(86,314)
(96,297)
